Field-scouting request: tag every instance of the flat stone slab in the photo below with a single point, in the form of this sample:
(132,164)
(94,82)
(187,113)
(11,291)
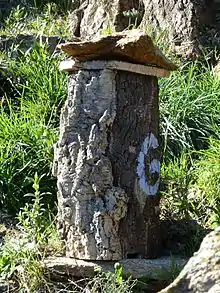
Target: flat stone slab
(58,266)
(74,65)
(131,46)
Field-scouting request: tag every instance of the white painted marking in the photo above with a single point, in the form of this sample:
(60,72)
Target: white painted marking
(150,142)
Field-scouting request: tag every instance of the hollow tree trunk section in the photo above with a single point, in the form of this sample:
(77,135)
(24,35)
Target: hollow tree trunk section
(107,162)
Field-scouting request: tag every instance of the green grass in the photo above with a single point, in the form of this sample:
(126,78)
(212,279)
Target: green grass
(46,20)
(192,186)
(207,183)
(29,125)
(190,108)
(190,127)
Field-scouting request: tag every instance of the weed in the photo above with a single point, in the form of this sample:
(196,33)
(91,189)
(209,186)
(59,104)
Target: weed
(133,16)
(177,177)
(111,282)
(32,220)
(22,251)
(109,30)
(169,274)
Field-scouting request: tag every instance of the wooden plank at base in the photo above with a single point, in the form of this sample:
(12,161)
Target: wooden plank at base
(73,65)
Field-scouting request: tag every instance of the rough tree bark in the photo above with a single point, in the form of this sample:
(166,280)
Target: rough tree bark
(107,162)
(183,20)
(94,16)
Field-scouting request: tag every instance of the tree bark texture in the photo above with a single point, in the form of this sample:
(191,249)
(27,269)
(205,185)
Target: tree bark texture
(182,20)
(107,162)
(94,16)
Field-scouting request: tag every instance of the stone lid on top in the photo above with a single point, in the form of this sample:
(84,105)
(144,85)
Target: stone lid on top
(132,46)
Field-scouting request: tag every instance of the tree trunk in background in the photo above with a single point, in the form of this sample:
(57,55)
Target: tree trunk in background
(94,16)
(183,20)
